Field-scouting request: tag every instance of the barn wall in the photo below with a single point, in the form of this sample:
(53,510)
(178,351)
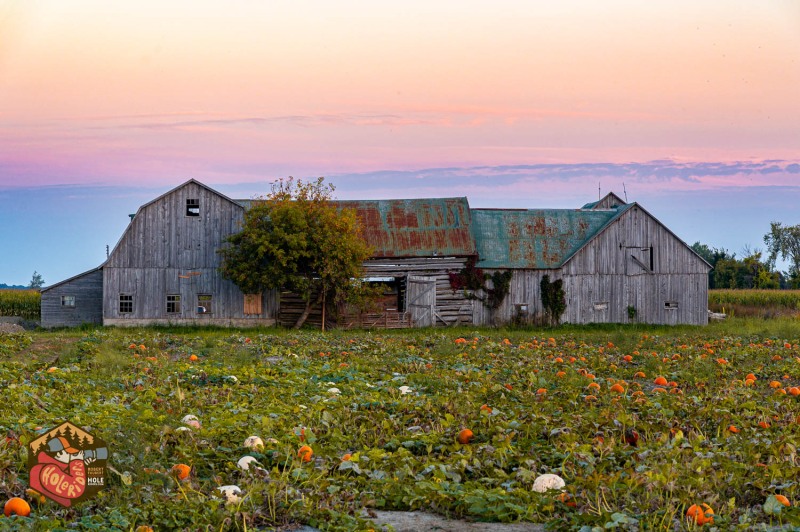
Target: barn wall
(604,274)
(88,292)
(451,308)
(165,252)
(524,290)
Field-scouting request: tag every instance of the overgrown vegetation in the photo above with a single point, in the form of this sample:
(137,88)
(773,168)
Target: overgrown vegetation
(553,299)
(490,289)
(295,239)
(395,402)
(20,303)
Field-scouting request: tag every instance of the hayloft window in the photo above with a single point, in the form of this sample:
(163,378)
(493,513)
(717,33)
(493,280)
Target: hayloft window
(639,260)
(671,305)
(192,207)
(204,303)
(173,303)
(125,303)
(68,301)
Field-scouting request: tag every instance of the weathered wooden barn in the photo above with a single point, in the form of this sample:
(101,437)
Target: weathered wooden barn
(617,262)
(164,270)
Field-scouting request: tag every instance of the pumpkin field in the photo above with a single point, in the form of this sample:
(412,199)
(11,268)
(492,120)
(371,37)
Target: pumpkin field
(682,428)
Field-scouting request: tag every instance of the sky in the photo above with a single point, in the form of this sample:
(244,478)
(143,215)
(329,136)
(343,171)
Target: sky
(690,108)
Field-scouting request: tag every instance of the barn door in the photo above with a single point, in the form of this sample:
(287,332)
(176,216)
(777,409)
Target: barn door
(421,300)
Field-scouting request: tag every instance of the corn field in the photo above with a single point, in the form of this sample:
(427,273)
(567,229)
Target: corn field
(764,303)
(22,303)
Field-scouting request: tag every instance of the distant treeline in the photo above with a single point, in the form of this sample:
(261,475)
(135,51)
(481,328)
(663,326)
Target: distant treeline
(4,286)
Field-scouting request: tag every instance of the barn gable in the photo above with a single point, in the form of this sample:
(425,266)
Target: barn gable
(165,267)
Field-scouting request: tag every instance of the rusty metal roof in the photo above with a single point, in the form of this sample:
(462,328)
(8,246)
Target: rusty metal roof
(398,228)
(535,238)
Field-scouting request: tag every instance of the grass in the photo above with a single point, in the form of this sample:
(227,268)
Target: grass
(280,384)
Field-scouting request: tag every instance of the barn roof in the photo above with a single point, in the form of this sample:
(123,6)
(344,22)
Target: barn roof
(415,227)
(536,238)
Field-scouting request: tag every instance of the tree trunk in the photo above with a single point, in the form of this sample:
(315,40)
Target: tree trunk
(306,311)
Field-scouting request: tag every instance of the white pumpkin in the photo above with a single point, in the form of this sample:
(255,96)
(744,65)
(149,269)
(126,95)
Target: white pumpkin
(191,420)
(254,443)
(548,481)
(231,493)
(245,462)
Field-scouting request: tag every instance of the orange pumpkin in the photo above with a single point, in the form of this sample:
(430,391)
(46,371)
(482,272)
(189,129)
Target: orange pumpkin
(700,514)
(465,436)
(783,500)
(17,506)
(660,381)
(181,471)
(305,453)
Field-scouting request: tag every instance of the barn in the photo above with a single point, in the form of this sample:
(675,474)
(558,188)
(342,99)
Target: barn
(617,263)
(164,270)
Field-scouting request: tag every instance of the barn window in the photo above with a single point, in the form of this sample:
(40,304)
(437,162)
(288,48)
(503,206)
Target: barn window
(252,304)
(173,303)
(204,303)
(192,207)
(670,305)
(68,301)
(125,303)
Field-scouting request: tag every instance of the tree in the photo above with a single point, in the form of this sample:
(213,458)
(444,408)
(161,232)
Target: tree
(713,256)
(784,241)
(37,281)
(296,239)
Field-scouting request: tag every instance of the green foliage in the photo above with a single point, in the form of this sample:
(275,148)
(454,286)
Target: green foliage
(296,239)
(37,281)
(784,241)
(21,303)
(404,453)
(553,299)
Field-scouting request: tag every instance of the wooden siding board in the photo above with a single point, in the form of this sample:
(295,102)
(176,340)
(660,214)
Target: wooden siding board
(88,292)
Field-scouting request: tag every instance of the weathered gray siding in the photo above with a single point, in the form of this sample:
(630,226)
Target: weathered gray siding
(165,252)
(88,292)
(604,272)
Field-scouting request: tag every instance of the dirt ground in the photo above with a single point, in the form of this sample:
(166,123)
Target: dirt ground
(421,521)
(11,328)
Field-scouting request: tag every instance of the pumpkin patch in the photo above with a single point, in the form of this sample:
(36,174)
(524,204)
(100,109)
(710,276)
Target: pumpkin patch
(576,427)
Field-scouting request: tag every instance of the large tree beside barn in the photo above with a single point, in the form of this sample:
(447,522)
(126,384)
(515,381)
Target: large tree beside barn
(296,239)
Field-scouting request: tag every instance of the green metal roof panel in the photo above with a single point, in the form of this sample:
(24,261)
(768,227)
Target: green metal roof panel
(536,238)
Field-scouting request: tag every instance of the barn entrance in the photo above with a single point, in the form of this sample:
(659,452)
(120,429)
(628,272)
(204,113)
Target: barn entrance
(421,300)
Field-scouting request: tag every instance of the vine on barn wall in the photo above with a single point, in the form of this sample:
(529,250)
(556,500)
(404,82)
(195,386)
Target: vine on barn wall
(473,278)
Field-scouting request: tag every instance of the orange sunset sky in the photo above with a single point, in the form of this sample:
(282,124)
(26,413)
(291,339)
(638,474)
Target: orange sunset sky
(101,91)
(693,105)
